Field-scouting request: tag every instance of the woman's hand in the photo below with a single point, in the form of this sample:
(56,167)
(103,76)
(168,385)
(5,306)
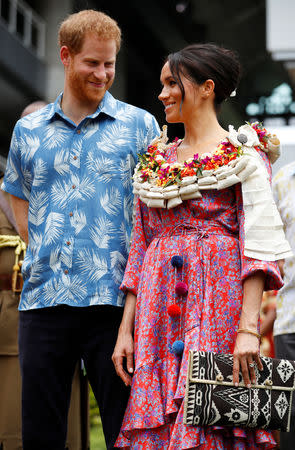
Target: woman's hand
(124,350)
(246,352)
(246,357)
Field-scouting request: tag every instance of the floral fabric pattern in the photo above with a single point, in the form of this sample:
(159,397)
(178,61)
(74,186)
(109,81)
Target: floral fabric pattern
(208,234)
(77,180)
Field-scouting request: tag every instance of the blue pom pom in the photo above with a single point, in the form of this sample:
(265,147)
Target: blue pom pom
(177,347)
(177,261)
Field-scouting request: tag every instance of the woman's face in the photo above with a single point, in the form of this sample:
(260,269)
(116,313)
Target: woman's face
(171,96)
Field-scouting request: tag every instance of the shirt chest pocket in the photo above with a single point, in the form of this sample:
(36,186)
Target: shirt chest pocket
(109,169)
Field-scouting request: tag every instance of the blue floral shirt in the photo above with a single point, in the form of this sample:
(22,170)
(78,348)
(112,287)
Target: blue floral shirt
(77,180)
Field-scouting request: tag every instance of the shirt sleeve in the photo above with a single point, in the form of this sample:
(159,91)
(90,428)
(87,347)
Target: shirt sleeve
(153,130)
(16,182)
(249,266)
(142,235)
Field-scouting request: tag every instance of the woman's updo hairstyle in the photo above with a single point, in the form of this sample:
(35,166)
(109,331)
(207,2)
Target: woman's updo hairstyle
(201,62)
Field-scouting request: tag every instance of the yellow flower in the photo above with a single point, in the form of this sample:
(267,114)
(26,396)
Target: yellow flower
(219,150)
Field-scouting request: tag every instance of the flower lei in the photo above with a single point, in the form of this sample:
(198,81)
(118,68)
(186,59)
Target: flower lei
(153,167)
(262,134)
(165,185)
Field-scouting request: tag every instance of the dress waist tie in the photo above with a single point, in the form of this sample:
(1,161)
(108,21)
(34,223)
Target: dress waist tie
(199,231)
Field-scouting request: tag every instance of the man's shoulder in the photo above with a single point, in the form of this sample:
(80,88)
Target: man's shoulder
(285,173)
(133,112)
(37,118)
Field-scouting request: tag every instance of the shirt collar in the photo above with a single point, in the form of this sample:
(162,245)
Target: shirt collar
(108,106)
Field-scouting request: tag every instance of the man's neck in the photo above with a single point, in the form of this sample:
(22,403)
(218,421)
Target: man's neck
(75,109)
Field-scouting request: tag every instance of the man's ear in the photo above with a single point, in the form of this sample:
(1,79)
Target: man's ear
(65,55)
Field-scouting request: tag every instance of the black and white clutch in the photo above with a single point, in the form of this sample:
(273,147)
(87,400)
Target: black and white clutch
(211,398)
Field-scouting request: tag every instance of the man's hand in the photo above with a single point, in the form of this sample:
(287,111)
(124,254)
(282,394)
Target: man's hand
(20,210)
(124,350)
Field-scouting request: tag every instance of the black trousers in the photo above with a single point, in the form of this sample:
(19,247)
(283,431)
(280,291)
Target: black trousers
(51,341)
(285,348)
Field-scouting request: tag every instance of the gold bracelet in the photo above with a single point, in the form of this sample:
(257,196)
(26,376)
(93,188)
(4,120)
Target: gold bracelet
(245,330)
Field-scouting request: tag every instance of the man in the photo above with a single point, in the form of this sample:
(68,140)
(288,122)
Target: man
(10,387)
(69,176)
(284,326)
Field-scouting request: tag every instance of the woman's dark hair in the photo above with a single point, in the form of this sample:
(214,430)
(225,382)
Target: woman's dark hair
(201,62)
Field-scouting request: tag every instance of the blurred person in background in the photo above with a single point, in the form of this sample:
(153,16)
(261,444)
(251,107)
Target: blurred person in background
(69,175)
(284,326)
(267,318)
(10,386)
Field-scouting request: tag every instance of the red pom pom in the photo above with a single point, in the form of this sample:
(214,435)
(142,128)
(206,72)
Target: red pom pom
(181,288)
(174,310)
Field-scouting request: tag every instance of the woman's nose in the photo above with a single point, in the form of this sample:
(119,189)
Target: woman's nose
(163,94)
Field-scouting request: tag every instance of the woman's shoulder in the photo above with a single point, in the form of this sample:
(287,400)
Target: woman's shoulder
(255,135)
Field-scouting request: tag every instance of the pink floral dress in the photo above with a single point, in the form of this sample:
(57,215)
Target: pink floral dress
(208,235)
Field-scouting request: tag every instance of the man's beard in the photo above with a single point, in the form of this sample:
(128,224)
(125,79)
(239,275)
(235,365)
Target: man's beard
(82,89)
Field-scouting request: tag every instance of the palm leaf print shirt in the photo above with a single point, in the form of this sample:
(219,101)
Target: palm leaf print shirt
(77,180)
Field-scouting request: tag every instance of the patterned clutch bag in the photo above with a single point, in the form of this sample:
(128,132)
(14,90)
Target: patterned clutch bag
(211,398)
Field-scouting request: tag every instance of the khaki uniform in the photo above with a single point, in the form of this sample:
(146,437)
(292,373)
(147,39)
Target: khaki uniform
(10,380)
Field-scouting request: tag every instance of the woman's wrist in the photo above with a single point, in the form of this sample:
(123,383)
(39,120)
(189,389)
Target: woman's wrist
(249,331)
(250,318)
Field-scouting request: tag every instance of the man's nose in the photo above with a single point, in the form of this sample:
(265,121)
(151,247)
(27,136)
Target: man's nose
(100,72)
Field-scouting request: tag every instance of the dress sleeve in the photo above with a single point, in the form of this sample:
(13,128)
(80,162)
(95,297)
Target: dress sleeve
(249,266)
(142,235)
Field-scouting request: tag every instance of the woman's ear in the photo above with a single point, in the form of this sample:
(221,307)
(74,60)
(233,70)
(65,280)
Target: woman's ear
(207,88)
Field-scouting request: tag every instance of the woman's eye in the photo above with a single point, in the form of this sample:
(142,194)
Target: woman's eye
(172,83)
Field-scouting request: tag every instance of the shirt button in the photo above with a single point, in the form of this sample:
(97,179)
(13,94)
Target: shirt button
(66,271)
(75,157)
(74,186)
(71,214)
(68,243)
(78,131)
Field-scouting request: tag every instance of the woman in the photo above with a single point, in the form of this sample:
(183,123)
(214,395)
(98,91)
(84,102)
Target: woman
(189,284)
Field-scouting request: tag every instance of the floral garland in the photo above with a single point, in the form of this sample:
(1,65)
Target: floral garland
(165,185)
(154,168)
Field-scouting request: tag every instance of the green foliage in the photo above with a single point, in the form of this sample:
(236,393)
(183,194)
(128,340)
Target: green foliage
(94,411)
(97,441)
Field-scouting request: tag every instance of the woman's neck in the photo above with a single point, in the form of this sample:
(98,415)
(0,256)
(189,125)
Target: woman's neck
(203,128)
(202,134)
